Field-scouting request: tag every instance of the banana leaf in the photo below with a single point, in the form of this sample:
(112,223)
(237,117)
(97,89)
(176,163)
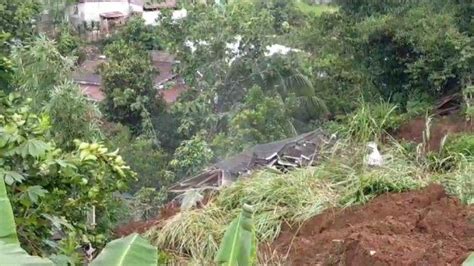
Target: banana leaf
(469,261)
(10,251)
(13,254)
(7,221)
(131,250)
(239,245)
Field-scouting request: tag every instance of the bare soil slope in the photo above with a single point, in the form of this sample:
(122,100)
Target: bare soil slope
(441,126)
(424,227)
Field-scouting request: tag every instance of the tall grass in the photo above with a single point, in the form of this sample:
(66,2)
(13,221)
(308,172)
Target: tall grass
(459,182)
(341,179)
(275,198)
(369,122)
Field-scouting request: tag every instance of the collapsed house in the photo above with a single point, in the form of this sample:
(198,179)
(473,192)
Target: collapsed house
(283,155)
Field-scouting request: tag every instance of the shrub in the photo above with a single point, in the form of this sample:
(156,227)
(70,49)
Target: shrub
(461,144)
(371,121)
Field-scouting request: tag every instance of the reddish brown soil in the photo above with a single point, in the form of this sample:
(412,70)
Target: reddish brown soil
(166,212)
(424,227)
(413,130)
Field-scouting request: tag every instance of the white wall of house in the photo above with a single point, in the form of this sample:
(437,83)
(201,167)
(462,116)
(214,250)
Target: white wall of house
(150,17)
(91,11)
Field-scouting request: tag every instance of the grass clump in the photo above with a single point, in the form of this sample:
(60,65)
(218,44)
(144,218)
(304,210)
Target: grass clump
(276,198)
(461,144)
(397,175)
(279,197)
(341,179)
(370,121)
(194,233)
(459,182)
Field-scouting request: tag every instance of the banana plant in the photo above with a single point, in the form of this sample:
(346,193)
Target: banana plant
(469,261)
(13,254)
(131,250)
(7,222)
(239,245)
(10,251)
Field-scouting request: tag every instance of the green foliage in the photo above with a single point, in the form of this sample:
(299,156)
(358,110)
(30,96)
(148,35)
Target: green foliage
(274,197)
(42,73)
(460,144)
(128,84)
(13,254)
(210,31)
(315,10)
(396,50)
(131,250)
(455,151)
(39,66)
(17,18)
(7,223)
(147,203)
(69,44)
(195,114)
(46,182)
(239,245)
(468,95)
(191,156)
(72,116)
(370,122)
(398,176)
(153,171)
(262,119)
(459,181)
(10,250)
(6,66)
(135,32)
(469,260)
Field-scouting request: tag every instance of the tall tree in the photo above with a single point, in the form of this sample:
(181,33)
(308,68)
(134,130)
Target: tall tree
(128,84)
(18,18)
(72,116)
(38,67)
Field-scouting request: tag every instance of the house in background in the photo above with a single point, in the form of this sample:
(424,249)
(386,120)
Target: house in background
(111,20)
(89,79)
(167,84)
(114,11)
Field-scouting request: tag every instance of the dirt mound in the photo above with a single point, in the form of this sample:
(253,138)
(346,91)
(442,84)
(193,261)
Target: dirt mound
(413,130)
(166,212)
(424,227)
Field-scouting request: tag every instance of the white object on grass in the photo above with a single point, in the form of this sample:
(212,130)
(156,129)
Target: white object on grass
(374,158)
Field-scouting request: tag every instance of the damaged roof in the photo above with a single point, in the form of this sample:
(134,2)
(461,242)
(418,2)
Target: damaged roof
(299,151)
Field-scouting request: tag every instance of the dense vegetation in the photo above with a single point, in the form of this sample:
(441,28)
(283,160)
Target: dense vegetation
(358,69)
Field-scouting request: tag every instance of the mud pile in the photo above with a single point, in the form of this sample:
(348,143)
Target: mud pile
(424,227)
(413,130)
(168,211)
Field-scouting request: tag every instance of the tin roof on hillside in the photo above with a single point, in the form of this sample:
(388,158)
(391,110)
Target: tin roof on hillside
(299,151)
